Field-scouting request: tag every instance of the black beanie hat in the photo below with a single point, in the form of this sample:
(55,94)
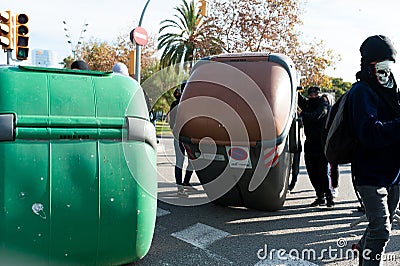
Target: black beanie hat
(313,89)
(377,48)
(80,64)
(177,93)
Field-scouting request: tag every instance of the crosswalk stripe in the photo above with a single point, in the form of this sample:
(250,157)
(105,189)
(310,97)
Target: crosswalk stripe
(161,212)
(200,235)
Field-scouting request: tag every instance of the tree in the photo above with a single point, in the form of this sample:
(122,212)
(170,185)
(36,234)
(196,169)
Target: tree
(149,61)
(340,86)
(160,86)
(68,61)
(269,26)
(102,55)
(311,61)
(185,39)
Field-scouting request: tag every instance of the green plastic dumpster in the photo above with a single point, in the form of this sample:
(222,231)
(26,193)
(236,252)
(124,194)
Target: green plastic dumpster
(77,168)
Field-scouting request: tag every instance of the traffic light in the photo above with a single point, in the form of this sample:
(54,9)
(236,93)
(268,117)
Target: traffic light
(22,38)
(203,8)
(6,30)
(132,63)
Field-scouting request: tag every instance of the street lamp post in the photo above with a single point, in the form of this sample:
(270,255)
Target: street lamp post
(137,63)
(69,38)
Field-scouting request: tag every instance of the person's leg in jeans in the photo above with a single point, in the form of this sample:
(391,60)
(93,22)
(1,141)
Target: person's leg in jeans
(322,179)
(189,169)
(393,200)
(325,181)
(334,178)
(380,204)
(179,159)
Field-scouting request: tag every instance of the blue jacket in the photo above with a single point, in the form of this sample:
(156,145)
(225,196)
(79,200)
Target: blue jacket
(377,158)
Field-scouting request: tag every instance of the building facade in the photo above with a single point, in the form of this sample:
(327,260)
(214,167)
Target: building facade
(44,58)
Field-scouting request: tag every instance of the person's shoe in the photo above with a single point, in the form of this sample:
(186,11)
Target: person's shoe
(329,202)
(318,202)
(181,192)
(189,186)
(335,192)
(291,186)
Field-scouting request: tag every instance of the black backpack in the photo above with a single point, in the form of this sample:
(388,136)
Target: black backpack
(338,141)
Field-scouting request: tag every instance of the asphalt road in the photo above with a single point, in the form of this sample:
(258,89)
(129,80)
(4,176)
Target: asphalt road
(192,231)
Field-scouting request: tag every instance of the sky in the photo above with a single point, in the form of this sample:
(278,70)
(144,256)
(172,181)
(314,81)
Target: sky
(341,24)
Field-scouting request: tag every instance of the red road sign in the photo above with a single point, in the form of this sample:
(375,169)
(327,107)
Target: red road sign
(139,36)
(238,153)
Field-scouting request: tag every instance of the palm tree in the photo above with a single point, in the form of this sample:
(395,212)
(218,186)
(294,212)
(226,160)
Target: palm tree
(181,42)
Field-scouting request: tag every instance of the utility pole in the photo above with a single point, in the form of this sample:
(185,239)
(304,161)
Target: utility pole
(137,63)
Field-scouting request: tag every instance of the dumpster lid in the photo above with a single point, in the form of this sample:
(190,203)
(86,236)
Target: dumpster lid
(64,70)
(246,56)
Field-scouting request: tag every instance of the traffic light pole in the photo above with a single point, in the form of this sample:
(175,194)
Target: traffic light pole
(137,63)
(9,56)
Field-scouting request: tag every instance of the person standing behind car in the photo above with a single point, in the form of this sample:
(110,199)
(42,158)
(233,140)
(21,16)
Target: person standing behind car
(296,158)
(314,111)
(333,169)
(179,148)
(374,114)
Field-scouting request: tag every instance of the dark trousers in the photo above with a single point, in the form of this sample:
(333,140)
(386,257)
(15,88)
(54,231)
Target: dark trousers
(380,206)
(317,169)
(334,174)
(295,167)
(179,159)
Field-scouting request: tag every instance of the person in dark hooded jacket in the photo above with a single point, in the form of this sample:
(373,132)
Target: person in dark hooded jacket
(314,111)
(374,111)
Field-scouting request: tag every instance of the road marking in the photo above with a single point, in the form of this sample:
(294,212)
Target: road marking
(161,212)
(200,235)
